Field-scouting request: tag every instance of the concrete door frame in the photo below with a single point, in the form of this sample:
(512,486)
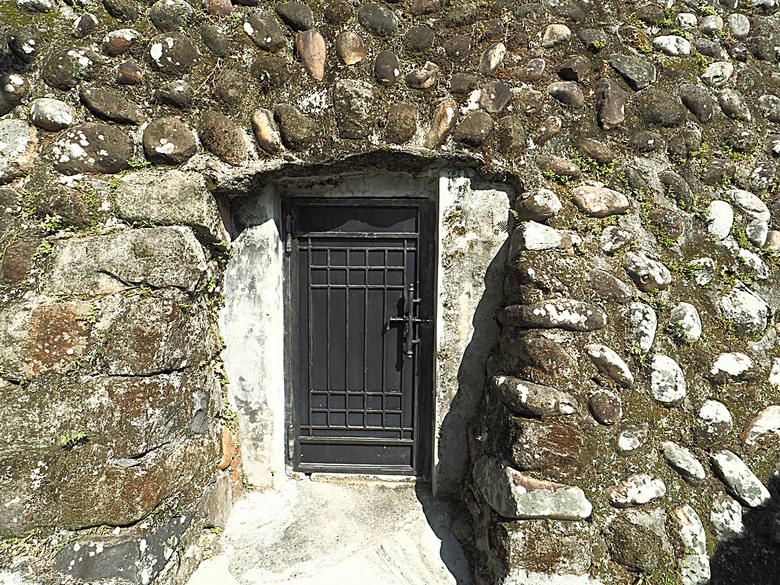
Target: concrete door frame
(471,244)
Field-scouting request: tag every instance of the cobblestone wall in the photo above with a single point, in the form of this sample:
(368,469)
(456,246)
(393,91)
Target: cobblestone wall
(629,429)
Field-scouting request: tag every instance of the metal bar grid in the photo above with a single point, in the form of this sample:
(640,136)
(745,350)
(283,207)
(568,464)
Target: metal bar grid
(356,235)
(347,269)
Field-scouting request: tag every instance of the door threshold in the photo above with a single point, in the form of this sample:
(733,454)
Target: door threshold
(360,478)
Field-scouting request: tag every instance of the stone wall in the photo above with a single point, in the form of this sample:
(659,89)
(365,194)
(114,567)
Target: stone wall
(631,411)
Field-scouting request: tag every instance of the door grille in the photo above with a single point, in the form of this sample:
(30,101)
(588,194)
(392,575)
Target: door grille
(357,391)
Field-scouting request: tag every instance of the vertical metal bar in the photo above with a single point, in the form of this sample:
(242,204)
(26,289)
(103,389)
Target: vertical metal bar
(347,264)
(423,421)
(383,389)
(415,361)
(365,337)
(327,336)
(410,286)
(309,352)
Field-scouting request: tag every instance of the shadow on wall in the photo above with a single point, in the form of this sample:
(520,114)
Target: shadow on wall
(453,464)
(439,516)
(752,558)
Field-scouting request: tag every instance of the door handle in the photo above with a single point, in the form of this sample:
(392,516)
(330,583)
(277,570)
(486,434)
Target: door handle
(393,320)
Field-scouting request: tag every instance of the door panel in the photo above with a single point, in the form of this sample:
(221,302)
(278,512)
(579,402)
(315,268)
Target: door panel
(361,398)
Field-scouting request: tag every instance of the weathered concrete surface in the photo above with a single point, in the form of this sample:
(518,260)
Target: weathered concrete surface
(341,531)
(473,248)
(9,578)
(252,325)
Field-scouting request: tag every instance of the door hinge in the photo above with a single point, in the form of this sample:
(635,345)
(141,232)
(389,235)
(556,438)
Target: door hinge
(290,442)
(288,223)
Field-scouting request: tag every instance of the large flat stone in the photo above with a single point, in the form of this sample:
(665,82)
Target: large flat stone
(534,399)
(171,198)
(83,486)
(152,334)
(128,415)
(514,495)
(560,548)
(740,480)
(93,147)
(157,257)
(566,314)
(15,320)
(18,148)
(135,557)
(57,337)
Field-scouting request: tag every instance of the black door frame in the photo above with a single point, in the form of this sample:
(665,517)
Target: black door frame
(424,420)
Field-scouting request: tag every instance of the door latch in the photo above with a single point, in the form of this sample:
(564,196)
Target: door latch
(409,321)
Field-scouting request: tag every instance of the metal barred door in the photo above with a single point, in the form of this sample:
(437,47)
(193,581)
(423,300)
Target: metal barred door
(361,331)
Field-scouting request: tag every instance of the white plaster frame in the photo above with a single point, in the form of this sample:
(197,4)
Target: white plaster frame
(252,320)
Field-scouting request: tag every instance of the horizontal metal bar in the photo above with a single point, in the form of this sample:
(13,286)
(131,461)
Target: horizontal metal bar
(409,202)
(356,411)
(361,267)
(412,235)
(356,440)
(354,392)
(356,468)
(354,432)
(353,287)
(348,248)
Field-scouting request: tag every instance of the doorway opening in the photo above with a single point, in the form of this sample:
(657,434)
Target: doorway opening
(360,323)
(340,250)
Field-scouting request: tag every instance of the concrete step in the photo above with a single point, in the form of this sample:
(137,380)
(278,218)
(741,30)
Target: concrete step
(338,530)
